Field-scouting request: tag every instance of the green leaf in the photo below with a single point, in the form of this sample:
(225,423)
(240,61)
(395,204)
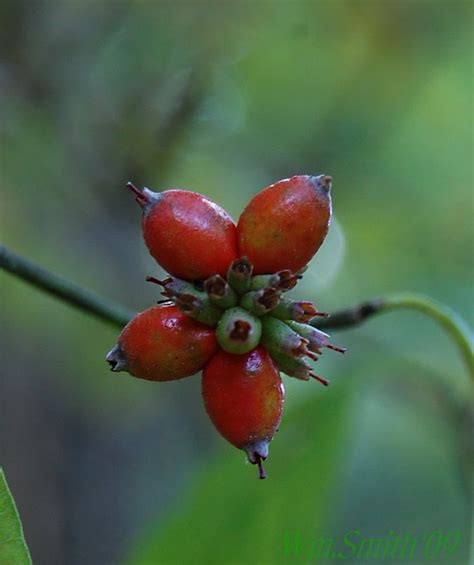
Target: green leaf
(231,517)
(13,548)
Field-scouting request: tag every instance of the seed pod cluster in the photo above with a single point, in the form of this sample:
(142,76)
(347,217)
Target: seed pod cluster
(224,309)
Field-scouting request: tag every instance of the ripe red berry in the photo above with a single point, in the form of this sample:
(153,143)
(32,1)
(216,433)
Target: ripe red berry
(243,395)
(190,236)
(284,225)
(163,344)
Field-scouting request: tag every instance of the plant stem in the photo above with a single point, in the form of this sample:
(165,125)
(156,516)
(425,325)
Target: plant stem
(63,289)
(118,315)
(452,323)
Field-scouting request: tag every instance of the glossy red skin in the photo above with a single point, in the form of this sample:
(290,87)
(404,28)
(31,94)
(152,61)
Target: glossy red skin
(164,344)
(243,395)
(190,236)
(284,225)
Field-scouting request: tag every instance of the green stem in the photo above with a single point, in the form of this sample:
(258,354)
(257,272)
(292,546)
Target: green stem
(62,288)
(450,320)
(452,323)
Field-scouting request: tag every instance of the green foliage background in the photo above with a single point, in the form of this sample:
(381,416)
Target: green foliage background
(225,98)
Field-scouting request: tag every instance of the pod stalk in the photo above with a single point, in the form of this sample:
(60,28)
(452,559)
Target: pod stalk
(261,301)
(283,281)
(239,275)
(220,292)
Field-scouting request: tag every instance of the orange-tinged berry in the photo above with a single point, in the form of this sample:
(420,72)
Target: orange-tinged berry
(163,344)
(284,225)
(243,395)
(190,236)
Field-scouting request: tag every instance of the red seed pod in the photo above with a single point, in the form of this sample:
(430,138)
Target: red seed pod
(190,236)
(243,395)
(163,344)
(285,224)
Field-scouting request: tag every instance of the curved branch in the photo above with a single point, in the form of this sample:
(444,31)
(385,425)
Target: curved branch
(63,289)
(452,323)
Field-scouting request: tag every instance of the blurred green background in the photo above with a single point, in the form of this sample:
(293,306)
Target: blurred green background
(224,98)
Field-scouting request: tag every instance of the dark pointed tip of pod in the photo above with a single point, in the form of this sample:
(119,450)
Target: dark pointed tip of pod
(322,183)
(257,448)
(146,198)
(116,359)
(257,452)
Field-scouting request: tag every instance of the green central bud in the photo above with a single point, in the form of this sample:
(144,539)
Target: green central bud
(297,310)
(220,292)
(292,366)
(279,337)
(193,302)
(238,331)
(282,280)
(261,301)
(251,310)
(316,338)
(199,307)
(239,275)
